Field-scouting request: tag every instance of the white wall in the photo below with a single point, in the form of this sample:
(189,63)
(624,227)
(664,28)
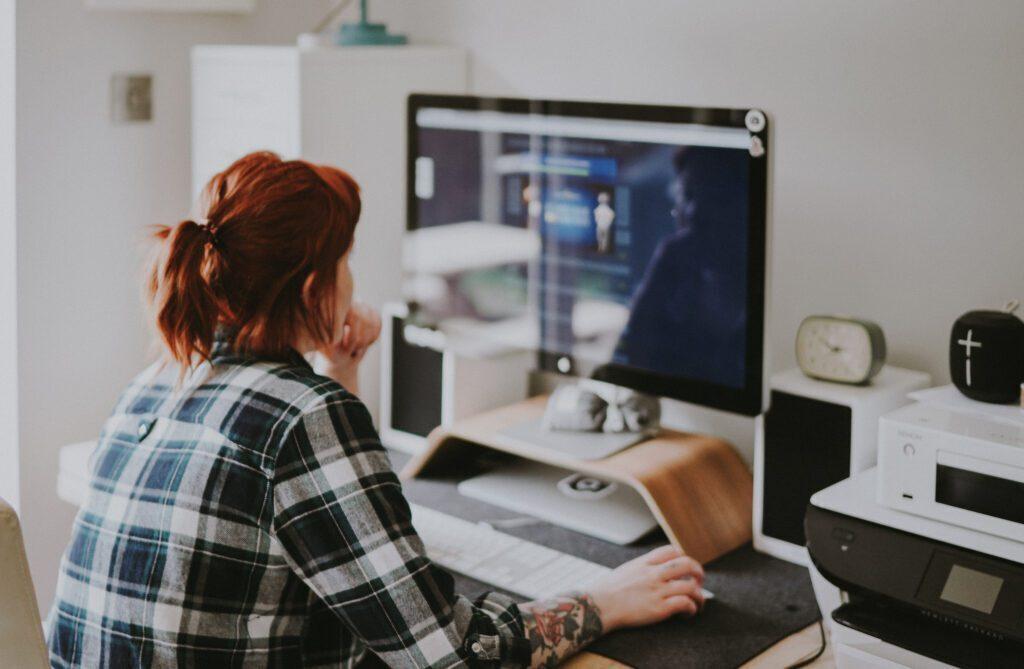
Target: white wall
(8,267)
(87,189)
(898,139)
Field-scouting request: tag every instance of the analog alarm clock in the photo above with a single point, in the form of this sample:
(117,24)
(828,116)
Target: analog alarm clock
(840,349)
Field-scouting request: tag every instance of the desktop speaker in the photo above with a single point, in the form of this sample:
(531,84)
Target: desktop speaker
(815,433)
(426,384)
(986,355)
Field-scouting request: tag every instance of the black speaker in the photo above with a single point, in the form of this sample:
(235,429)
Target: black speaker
(415,381)
(809,449)
(986,355)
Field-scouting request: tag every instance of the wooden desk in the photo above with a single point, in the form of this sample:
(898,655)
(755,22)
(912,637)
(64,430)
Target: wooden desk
(784,653)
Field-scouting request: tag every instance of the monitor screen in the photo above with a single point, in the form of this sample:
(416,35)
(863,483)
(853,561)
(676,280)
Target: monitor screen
(622,242)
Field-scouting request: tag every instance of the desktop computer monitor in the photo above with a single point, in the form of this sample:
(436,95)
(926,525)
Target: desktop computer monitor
(623,242)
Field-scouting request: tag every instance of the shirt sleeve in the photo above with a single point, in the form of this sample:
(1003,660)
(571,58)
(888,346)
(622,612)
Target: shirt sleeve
(345,526)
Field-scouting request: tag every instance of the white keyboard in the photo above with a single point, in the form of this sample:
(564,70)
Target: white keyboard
(516,565)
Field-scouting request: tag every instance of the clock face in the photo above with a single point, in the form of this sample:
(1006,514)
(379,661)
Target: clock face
(839,349)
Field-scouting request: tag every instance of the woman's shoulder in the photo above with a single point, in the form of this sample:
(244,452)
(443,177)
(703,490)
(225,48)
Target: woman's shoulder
(311,397)
(301,386)
(290,389)
(251,402)
(327,421)
(287,384)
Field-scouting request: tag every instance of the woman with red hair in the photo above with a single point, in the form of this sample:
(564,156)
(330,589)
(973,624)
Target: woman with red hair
(242,511)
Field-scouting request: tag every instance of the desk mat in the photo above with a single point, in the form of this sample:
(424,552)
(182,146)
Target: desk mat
(759,600)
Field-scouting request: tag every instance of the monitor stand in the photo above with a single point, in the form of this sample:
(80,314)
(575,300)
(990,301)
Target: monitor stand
(695,486)
(587,504)
(579,445)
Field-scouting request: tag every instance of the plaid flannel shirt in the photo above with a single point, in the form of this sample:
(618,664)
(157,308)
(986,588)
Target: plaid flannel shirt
(248,516)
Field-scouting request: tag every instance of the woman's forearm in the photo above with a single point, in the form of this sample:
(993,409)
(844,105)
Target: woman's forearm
(560,627)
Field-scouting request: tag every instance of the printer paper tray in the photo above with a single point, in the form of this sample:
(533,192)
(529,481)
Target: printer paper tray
(938,639)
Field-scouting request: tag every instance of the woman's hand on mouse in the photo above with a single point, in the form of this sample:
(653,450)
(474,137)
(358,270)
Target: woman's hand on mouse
(649,589)
(643,591)
(360,331)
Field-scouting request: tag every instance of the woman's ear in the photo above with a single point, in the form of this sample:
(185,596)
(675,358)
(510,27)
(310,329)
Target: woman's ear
(307,291)
(321,322)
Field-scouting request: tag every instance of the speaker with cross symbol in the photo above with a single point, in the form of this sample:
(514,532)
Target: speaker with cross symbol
(986,355)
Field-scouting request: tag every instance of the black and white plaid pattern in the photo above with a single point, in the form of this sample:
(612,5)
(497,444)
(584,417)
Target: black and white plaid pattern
(247,515)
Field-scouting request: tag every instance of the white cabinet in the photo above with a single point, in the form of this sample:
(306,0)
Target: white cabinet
(243,98)
(343,106)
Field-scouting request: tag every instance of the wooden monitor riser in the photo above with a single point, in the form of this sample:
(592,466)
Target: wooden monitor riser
(696,486)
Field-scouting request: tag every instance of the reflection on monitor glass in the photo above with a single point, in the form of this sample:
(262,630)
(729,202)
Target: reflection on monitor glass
(610,241)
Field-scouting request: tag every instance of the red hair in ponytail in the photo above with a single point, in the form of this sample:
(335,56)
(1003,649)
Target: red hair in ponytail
(263,262)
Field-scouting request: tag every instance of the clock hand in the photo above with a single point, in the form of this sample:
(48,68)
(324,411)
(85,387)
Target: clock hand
(827,343)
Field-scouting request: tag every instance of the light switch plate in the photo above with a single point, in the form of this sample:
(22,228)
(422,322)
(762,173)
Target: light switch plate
(131,98)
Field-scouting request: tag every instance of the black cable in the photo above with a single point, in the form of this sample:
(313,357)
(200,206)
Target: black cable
(821,649)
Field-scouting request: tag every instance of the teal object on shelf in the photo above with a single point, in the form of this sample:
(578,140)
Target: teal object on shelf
(365,33)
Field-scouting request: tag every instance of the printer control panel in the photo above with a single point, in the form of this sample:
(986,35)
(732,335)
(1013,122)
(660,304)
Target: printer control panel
(970,587)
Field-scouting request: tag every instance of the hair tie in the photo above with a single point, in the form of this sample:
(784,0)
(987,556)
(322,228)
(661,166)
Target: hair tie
(212,238)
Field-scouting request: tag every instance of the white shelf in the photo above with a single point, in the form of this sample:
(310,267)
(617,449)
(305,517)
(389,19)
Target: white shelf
(73,472)
(442,249)
(207,6)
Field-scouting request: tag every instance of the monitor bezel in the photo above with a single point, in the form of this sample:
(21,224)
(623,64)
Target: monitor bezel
(748,400)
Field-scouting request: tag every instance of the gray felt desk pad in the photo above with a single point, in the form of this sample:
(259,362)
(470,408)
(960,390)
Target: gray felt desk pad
(759,600)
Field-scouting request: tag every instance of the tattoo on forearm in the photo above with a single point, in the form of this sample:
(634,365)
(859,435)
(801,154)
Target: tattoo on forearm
(559,627)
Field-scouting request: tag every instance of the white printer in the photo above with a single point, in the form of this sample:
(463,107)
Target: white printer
(903,590)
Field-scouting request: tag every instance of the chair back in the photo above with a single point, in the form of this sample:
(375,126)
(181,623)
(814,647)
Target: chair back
(21,631)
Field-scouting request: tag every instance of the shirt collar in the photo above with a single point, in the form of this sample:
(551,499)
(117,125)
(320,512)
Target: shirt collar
(223,350)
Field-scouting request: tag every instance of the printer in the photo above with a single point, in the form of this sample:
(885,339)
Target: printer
(900,589)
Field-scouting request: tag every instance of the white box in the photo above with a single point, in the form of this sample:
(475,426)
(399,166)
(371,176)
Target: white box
(958,467)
